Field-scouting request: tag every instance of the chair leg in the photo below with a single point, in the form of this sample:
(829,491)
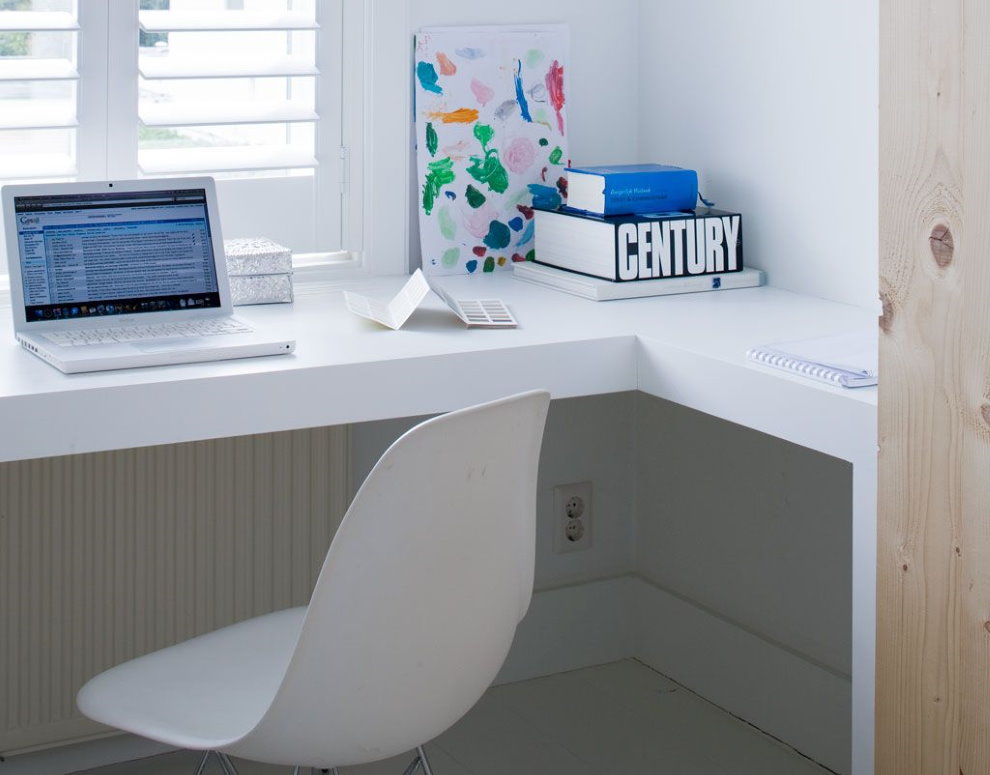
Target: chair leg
(202,763)
(427,769)
(225,763)
(420,760)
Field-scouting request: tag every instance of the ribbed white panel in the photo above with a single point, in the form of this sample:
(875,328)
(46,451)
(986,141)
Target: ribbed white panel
(106,556)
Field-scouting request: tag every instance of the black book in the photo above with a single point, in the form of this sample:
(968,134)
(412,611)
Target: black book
(648,246)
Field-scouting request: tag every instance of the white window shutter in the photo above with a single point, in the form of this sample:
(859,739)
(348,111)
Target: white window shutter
(228,91)
(248,91)
(38,94)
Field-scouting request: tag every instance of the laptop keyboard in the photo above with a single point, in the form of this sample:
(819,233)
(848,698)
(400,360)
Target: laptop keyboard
(187,328)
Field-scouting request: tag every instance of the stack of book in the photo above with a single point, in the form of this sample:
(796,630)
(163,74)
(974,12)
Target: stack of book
(634,231)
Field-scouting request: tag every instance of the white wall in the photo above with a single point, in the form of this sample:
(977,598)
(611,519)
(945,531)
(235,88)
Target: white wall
(751,528)
(744,546)
(738,550)
(775,103)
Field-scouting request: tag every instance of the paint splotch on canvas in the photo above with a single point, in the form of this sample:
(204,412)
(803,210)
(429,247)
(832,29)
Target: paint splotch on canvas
(490,142)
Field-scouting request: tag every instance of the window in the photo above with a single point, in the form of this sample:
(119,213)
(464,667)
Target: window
(38,89)
(248,91)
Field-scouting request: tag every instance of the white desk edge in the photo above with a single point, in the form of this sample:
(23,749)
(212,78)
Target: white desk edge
(690,349)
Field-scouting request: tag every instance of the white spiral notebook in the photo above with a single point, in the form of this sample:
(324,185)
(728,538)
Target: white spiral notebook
(849,360)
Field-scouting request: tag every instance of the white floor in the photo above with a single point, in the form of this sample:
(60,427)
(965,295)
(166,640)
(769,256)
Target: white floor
(617,719)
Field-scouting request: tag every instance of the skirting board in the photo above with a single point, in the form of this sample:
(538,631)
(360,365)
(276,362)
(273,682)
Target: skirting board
(83,755)
(803,704)
(793,699)
(570,627)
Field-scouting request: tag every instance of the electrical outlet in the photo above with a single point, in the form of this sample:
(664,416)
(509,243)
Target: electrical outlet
(572,517)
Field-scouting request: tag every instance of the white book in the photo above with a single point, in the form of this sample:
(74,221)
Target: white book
(644,246)
(848,359)
(598,289)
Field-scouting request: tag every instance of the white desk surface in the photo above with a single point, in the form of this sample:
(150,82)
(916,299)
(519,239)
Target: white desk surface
(689,348)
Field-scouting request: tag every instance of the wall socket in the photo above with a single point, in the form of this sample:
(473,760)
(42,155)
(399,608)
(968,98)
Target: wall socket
(572,517)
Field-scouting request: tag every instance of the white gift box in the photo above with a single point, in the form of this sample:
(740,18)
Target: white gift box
(260,271)
(260,288)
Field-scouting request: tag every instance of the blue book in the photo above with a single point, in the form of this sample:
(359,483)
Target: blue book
(631,188)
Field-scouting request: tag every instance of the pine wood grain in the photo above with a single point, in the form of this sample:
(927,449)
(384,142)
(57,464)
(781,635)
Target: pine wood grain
(933,584)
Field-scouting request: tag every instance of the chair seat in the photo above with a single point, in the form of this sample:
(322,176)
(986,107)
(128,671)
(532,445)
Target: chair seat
(203,693)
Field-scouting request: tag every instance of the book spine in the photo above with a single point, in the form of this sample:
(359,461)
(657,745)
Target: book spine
(798,366)
(645,192)
(678,247)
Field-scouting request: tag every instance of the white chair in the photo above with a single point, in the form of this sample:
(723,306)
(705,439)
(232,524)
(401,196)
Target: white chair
(412,615)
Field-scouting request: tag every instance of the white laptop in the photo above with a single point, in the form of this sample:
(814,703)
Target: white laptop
(114,275)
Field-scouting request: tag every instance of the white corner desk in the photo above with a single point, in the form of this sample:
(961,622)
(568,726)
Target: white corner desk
(690,349)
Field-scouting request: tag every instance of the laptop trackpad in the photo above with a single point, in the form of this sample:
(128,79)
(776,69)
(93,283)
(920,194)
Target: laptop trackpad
(179,343)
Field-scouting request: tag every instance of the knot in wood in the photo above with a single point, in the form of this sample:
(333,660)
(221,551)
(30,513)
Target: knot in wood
(887,314)
(985,411)
(942,245)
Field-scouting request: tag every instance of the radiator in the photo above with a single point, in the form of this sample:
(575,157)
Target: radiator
(109,555)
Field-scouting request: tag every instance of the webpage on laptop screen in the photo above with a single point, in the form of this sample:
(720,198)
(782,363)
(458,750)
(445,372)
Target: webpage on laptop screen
(113,254)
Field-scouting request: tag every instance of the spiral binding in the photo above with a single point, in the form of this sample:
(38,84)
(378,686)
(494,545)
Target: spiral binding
(797,366)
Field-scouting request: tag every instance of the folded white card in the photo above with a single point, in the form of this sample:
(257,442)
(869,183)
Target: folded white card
(485,313)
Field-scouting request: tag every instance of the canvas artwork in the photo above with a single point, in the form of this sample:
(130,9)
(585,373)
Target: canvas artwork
(491,140)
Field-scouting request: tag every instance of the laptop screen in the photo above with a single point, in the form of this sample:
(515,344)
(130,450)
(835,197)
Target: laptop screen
(91,255)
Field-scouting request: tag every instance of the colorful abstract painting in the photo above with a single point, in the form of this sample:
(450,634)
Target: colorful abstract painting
(491,140)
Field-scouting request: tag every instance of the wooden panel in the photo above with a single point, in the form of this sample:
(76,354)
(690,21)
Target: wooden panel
(933,638)
(109,555)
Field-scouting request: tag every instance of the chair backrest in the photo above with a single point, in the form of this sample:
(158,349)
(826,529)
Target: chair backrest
(420,593)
